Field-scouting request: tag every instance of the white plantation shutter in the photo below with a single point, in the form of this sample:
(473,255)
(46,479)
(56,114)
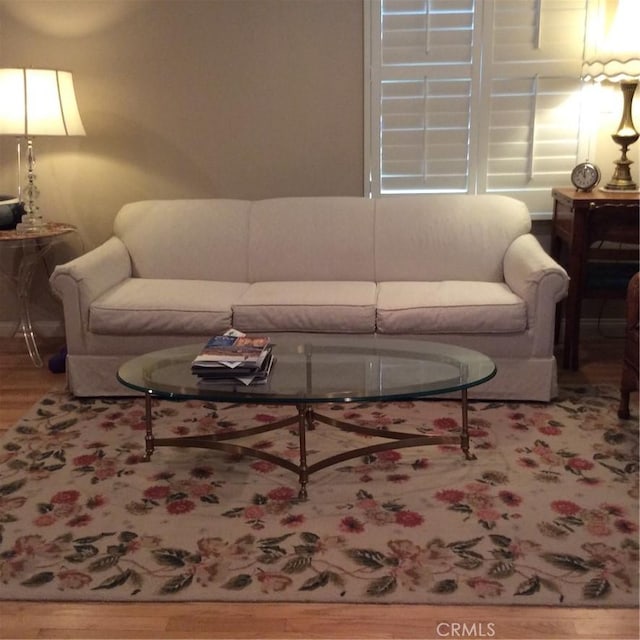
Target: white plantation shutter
(425,95)
(475,96)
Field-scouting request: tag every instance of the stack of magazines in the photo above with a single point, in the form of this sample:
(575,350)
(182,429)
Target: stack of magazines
(234,358)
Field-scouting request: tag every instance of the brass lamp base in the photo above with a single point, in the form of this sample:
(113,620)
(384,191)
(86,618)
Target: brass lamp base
(625,136)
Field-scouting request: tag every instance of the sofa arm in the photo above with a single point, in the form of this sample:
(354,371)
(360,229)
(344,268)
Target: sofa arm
(541,282)
(79,282)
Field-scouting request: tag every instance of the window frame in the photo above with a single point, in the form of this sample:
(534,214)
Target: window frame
(477,173)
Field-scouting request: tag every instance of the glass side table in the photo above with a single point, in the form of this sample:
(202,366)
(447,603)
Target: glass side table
(32,246)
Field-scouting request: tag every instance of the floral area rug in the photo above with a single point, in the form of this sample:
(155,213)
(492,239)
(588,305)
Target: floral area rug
(547,514)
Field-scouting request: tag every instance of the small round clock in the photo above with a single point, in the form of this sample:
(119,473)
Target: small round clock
(585,176)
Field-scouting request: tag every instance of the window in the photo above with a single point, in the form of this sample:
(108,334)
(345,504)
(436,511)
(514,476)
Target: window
(474,96)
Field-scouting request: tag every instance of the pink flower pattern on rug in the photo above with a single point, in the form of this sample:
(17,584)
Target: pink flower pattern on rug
(547,514)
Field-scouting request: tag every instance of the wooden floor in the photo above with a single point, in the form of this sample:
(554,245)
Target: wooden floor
(21,385)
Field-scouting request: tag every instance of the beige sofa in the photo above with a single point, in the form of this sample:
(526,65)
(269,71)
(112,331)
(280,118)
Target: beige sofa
(450,268)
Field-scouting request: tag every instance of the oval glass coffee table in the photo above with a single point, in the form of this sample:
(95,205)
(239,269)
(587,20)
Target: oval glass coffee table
(310,370)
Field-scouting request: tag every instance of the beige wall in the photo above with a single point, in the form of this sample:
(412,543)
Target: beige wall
(190,98)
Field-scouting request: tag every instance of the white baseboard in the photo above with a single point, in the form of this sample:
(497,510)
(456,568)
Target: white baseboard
(44,328)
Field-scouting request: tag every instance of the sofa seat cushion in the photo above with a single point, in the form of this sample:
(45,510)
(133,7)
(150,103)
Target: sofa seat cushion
(346,307)
(143,306)
(449,307)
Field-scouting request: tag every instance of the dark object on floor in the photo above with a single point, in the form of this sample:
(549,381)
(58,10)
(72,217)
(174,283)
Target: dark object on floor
(57,362)
(629,380)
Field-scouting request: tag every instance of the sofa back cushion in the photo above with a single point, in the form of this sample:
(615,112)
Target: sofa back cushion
(186,239)
(446,237)
(320,239)
(409,238)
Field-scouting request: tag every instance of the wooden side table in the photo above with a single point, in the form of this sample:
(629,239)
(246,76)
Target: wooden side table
(590,226)
(32,246)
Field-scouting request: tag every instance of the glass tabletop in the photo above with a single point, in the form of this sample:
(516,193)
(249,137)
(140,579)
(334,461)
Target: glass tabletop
(320,368)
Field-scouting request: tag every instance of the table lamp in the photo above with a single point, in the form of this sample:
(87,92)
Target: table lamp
(36,102)
(615,57)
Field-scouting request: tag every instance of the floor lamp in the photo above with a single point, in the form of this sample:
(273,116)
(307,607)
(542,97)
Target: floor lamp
(36,102)
(616,58)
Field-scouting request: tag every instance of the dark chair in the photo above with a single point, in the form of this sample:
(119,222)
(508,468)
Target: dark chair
(629,382)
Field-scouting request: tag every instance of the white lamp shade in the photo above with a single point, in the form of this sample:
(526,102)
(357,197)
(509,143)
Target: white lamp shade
(615,54)
(38,102)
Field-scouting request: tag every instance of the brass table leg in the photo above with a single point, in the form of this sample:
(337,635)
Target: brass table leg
(148,436)
(305,420)
(464,435)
